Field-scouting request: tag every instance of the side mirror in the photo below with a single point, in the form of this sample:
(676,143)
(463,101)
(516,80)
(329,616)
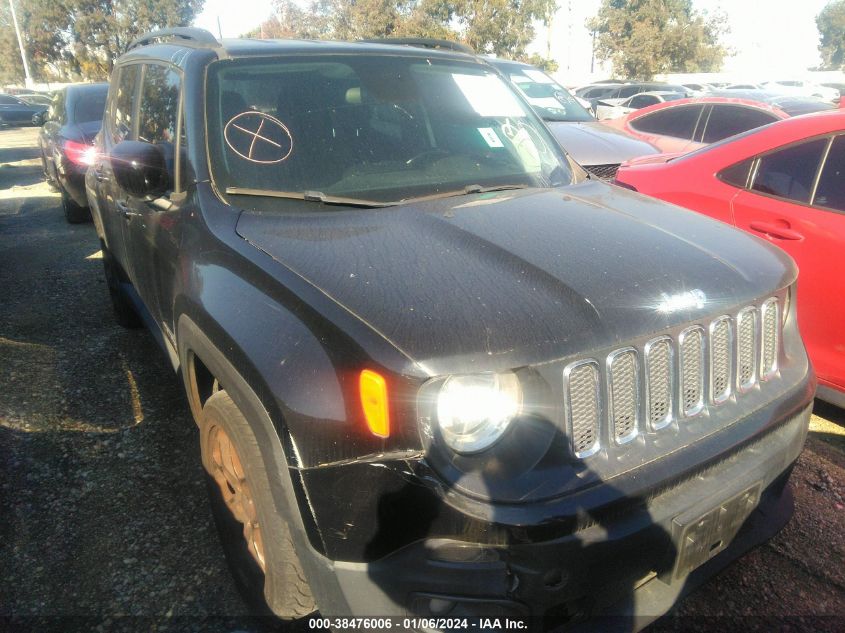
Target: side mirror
(140,168)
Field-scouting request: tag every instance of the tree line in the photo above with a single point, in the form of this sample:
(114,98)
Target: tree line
(69,40)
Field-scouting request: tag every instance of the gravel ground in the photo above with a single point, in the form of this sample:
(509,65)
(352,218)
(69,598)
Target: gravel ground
(104,523)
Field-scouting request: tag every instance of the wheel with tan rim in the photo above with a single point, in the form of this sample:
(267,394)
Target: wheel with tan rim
(255,538)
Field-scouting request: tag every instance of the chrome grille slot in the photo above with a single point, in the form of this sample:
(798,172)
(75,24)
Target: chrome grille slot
(623,394)
(746,326)
(691,344)
(582,401)
(658,362)
(769,318)
(721,359)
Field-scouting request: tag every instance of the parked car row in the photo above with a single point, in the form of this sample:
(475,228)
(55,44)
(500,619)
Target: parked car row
(795,94)
(437,367)
(612,93)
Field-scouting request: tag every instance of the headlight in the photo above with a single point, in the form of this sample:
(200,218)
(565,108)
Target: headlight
(474,411)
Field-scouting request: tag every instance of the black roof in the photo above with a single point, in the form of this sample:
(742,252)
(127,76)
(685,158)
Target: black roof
(160,44)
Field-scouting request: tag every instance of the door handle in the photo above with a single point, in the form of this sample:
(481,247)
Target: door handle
(776,231)
(124,210)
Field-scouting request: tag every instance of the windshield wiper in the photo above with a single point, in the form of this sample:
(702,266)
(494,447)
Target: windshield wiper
(467,190)
(479,189)
(309,196)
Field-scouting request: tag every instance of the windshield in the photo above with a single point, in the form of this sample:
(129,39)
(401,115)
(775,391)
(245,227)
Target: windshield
(549,99)
(372,128)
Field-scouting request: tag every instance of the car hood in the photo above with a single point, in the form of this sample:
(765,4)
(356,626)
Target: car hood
(493,281)
(593,143)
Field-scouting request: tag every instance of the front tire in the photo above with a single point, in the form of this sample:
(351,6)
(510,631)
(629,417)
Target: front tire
(256,539)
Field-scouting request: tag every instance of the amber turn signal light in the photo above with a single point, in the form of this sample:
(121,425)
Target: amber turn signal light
(373,390)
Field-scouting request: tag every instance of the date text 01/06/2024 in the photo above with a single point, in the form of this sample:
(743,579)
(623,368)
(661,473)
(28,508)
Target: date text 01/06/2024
(416,624)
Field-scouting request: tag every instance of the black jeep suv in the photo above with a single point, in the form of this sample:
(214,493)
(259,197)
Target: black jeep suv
(437,369)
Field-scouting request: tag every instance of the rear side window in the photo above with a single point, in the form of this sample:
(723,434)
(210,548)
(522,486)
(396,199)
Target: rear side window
(678,121)
(789,173)
(159,110)
(89,106)
(727,120)
(737,175)
(122,118)
(831,189)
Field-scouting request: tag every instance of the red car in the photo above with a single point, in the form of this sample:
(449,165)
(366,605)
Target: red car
(785,183)
(688,124)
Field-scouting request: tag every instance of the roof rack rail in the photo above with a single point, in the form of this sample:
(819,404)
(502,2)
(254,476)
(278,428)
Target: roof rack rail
(184,34)
(423,42)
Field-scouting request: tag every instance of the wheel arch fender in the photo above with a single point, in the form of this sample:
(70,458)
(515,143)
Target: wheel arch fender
(289,496)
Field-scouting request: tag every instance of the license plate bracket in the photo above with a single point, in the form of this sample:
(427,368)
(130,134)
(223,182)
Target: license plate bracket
(700,536)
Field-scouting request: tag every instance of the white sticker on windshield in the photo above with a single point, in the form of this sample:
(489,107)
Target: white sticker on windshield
(488,95)
(539,76)
(490,136)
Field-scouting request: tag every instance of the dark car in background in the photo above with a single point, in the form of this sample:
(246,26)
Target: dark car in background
(793,105)
(436,369)
(66,143)
(15,110)
(596,147)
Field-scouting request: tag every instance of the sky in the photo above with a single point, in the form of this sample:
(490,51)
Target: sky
(771,39)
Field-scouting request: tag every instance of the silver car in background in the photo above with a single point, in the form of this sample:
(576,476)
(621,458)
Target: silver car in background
(596,147)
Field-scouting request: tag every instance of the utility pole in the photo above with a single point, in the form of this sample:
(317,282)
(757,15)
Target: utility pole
(219,30)
(568,34)
(27,77)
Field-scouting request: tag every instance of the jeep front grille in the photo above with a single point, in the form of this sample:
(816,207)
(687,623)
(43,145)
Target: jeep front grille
(769,344)
(659,388)
(691,342)
(721,360)
(583,406)
(701,365)
(605,172)
(746,349)
(623,397)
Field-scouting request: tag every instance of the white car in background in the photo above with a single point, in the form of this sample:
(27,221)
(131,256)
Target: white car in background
(801,88)
(643,100)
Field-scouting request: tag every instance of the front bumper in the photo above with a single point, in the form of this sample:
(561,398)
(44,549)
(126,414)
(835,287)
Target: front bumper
(620,562)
